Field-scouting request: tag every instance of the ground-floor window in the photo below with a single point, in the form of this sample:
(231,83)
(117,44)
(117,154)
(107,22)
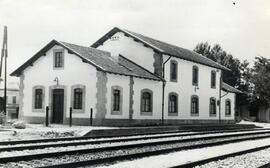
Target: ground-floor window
(173,104)
(116,100)
(38,98)
(146,101)
(212,107)
(228,107)
(194,105)
(78,97)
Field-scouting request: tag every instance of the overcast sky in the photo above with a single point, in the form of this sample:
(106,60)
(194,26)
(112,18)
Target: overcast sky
(242,29)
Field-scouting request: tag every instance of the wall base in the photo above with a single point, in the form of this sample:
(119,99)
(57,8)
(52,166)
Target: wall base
(127,122)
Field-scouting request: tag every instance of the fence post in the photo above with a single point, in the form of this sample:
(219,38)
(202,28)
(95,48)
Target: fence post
(47,116)
(70,116)
(91,116)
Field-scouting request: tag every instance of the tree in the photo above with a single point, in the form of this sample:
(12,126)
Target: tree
(261,80)
(217,54)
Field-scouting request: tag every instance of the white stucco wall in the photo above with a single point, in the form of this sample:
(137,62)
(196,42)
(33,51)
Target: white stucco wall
(156,87)
(123,82)
(184,88)
(74,72)
(130,49)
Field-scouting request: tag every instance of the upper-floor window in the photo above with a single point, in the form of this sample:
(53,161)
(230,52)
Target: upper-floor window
(14,100)
(228,107)
(38,98)
(174,69)
(146,100)
(173,103)
(213,79)
(194,105)
(58,58)
(195,75)
(78,97)
(212,107)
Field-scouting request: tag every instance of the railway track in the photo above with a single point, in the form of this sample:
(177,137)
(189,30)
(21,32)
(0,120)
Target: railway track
(115,140)
(35,141)
(105,154)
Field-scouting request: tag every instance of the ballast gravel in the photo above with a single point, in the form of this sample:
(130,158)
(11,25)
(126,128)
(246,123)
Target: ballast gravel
(97,155)
(250,160)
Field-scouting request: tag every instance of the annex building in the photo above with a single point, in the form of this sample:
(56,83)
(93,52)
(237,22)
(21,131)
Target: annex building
(127,79)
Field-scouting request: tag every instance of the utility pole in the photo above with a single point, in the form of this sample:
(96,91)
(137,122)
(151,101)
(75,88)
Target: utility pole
(4,54)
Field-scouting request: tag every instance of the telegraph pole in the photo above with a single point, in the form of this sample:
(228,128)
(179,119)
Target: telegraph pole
(4,54)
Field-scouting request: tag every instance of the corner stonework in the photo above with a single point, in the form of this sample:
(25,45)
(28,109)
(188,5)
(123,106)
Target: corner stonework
(158,60)
(131,99)
(101,87)
(21,95)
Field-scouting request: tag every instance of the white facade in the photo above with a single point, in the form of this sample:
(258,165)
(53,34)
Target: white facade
(42,73)
(99,87)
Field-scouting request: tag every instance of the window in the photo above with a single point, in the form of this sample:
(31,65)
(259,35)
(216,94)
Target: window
(228,107)
(116,100)
(173,103)
(195,75)
(194,105)
(38,94)
(213,79)
(38,98)
(212,107)
(78,98)
(14,99)
(146,101)
(58,58)
(174,71)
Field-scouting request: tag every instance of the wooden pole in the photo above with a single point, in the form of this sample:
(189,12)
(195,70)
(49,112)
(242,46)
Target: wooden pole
(5,89)
(47,116)
(91,116)
(70,116)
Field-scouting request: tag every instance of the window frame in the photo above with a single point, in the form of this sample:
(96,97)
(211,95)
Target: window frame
(191,105)
(213,75)
(113,111)
(215,107)
(169,104)
(72,102)
(34,109)
(14,99)
(54,59)
(194,67)
(230,108)
(151,102)
(173,62)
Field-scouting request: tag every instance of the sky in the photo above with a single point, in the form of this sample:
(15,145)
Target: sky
(241,27)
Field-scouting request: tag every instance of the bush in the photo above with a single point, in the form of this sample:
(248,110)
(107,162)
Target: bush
(2,118)
(19,125)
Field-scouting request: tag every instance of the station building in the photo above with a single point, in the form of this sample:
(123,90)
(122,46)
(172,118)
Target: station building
(127,79)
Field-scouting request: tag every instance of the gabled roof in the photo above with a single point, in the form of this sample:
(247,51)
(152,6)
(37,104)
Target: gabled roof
(162,47)
(229,88)
(102,60)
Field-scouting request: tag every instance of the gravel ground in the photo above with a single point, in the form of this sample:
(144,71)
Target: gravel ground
(81,157)
(250,160)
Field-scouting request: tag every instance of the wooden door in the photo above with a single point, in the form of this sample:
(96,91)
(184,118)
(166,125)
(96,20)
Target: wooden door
(58,106)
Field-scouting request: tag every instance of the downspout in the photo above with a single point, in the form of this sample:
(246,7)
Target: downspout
(220,87)
(163,87)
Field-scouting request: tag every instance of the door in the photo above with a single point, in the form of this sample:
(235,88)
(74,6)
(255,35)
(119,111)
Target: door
(58,106)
